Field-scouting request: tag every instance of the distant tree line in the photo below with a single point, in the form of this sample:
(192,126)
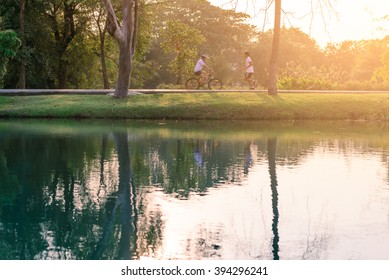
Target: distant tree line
(64,44)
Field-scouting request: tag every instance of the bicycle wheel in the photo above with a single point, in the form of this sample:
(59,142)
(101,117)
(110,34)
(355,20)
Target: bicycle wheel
(192,83)
(215,84)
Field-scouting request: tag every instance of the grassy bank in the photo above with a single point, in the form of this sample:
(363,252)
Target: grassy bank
(223,106)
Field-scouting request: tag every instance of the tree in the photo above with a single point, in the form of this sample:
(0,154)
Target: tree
(182,41)
(66,19)
(102,28)
(358,62)
(9,43)
(272,87)
(273,67)
(124,206)
(37,55)
(382,73)
(227,35)
(296,48)
(125,36)
(22,62)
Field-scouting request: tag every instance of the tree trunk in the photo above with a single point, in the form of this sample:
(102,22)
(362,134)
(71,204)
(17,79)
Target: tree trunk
(272,87)
(125,64)
(103,63)
(64,32)
(179,73)
(22,62)
(124,195)
(125,56)
(125,36)
(62,73)
(102,33)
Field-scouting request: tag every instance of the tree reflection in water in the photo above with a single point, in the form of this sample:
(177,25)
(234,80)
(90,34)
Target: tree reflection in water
(123,205)
(271,154)
(98,194)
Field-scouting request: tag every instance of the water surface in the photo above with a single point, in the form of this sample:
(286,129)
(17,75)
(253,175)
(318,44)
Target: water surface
(193,190)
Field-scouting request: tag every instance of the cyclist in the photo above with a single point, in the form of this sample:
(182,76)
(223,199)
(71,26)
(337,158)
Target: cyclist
(249,70)
(198,70)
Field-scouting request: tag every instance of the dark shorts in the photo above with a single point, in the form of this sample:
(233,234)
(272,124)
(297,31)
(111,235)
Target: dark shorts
(248,75)
(198,73)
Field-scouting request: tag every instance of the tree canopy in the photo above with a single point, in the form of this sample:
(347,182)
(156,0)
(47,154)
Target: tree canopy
(64,46)
(9,44)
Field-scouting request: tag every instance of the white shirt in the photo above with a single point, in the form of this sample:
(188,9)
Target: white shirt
(249,69)
(199,65)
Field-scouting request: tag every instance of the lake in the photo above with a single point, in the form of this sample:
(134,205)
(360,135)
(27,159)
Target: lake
(184,190)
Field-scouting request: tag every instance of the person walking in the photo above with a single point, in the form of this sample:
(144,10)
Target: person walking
(249,70)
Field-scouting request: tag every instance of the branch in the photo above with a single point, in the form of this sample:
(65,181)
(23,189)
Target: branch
(135,29)
(112,22)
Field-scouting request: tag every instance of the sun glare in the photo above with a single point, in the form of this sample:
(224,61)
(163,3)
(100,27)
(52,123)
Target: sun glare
(324,20)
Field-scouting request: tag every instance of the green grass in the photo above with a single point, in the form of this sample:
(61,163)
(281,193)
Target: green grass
(198,106)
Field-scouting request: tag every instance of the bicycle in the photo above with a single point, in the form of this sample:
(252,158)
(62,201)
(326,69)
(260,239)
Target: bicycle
(213,83)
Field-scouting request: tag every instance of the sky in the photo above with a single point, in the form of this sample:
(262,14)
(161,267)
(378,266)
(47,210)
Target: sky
(349,19)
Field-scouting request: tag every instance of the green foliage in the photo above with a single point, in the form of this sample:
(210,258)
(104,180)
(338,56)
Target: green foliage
(143,69)
(225,35)
(294,77)
(9,43)
(358,59)
(382,73)
(226,32)
(295,47)
(299,47)
(181,41)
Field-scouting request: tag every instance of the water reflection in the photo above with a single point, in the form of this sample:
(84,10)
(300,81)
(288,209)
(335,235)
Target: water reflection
(271,149)
(182,190)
